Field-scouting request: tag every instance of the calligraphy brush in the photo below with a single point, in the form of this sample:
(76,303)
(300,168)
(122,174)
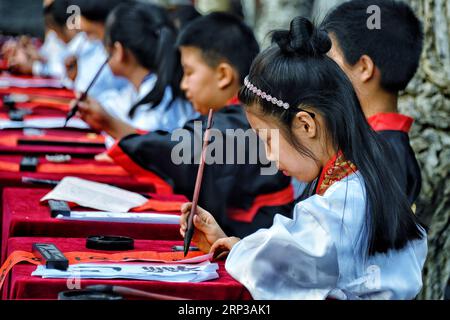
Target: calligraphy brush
(83,96)
(198,184)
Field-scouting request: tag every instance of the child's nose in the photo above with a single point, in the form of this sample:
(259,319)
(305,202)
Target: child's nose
(183,84)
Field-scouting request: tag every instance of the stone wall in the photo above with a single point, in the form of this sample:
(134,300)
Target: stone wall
(427,99)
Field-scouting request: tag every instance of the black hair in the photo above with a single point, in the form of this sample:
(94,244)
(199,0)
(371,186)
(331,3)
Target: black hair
(297,71)
(182,14)
(47,10)
(49,20)
(58,11)
(56,15)
(395,48)
(222,36)
(146,31)
(97,10)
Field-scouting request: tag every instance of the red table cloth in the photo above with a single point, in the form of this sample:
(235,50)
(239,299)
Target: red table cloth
(14,179)
(8,143)
(25,216)
(44,82)
(40,92)
(98,171)
(41,101)
(11,164)
(23,286)
(38,101)
(43,114)
(41,107)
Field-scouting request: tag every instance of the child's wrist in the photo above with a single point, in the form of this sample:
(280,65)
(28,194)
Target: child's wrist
(119,129)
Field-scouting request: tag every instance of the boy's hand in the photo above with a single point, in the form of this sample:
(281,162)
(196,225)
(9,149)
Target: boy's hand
(9,49)
(207,230)
(33,53)
(20,63)
(98,119)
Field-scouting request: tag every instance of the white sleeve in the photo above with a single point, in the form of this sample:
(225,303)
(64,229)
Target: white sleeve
(294,259)
(317,254)
(51,68)
(116,103)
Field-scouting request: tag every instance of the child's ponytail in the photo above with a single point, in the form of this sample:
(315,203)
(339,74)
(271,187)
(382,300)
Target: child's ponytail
(168,70)
(146,31)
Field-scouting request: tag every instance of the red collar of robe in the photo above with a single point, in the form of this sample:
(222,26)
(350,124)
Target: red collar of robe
(390,122)
(335,170)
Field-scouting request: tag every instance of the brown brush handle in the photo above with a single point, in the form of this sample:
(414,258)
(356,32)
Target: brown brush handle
(124,291)
(198,185)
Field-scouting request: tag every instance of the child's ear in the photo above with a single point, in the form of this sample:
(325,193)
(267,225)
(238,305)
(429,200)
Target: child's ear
(225,75)
(366,68)
(119,52)
(305,124)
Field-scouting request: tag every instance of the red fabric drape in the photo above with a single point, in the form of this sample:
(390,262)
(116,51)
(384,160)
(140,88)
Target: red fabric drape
(40,92)
(390,122)
(76,166)
(123,160)
(8,142)
(24,215)
(23,286)
(279,198)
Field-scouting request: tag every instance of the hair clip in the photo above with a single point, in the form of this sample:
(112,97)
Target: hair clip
(263,95)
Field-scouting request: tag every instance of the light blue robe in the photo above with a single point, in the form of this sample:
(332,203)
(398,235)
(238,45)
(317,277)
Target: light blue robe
(165,116)
(315,254)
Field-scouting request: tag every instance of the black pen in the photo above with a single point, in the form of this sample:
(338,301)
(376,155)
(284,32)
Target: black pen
(83,96)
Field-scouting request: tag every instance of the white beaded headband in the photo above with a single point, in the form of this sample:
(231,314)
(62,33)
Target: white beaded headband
(263,95)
